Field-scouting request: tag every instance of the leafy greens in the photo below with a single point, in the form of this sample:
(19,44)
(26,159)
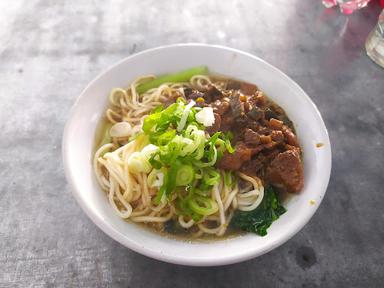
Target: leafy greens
(259,219)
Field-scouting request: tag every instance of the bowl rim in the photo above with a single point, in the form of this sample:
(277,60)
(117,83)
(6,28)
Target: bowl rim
(119,237)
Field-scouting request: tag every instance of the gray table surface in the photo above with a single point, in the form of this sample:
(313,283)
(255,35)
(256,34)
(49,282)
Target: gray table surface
(51,49)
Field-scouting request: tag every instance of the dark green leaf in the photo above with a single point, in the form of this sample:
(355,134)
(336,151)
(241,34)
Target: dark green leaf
(259,220)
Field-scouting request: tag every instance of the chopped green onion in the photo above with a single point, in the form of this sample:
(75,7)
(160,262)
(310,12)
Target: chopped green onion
(211,177)
(185,156)
(200,192)
(203,206)
(183,76)
(170,179)
(198,138)
(150,121)
(154,161)
(185,175)
(138,163)
(212,154)
(160,195)
(160,119)
(166,137)
(184,209)
(228,178)
(229,146)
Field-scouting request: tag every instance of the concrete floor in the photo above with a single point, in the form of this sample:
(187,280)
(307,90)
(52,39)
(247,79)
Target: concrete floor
(51,49)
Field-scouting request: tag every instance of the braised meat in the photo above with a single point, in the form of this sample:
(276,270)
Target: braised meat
(246,88)
(234,161)
(237,107)
(212,94)
(263,136)
(286,171)
(251,137)
(221,106)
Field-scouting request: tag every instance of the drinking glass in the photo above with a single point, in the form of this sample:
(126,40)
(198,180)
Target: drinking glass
(375,42)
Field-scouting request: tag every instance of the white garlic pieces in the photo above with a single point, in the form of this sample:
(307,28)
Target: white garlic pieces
(120,129)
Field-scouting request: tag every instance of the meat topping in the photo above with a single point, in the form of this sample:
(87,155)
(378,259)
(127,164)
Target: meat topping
(286,171)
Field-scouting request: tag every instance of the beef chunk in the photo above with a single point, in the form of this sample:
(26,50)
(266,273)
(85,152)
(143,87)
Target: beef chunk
(235,160)
(277,136)
(212,94)
(260,99)
(253,125)
(246,88)
(220,107)
(216,125)
(256,113)
(226,122)
(233,84)
(269,113)
(286,171)
(253,166)
(290,147)
(275,124)
(290,137)
(251,137)
(187,91)
(241,122)
(194,95)
(263,130)
(237,107)
(265,139)
(270,145)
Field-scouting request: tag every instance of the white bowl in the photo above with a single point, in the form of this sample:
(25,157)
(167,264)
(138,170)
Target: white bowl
(78,141)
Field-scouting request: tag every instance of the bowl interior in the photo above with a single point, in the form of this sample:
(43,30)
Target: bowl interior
(79,140)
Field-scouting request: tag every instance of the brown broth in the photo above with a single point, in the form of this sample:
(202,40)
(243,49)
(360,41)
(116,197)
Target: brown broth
(186,235)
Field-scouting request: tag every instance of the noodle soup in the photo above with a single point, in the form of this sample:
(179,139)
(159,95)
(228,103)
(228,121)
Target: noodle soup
(194,155)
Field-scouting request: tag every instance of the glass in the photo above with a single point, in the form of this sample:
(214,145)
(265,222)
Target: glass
(346,6)
(375,42)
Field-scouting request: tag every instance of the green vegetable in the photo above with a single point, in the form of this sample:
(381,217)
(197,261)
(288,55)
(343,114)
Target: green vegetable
(165,138)
(203,205)
(186,158)
(228,146)
(211,177)
(184,209)
(160,119)
(160,194)
(228,178)
(170,178)
(155,163)
(258,220)
(183,76)
(185,175)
